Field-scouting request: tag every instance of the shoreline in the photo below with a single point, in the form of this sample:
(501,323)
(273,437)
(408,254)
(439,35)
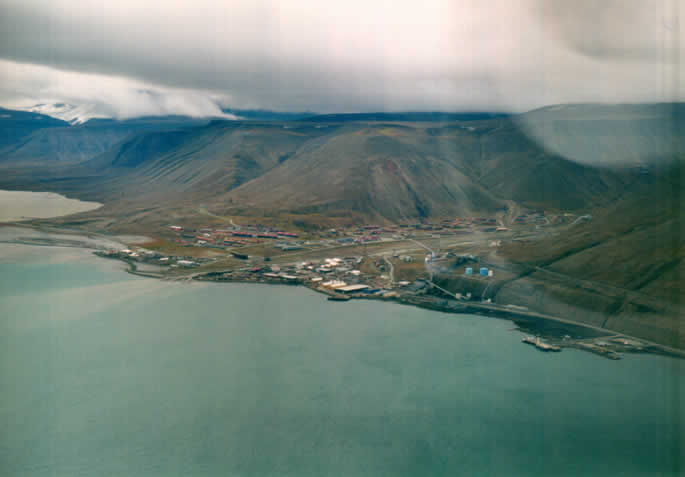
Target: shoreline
(42,200)
(525,321)
(554,329)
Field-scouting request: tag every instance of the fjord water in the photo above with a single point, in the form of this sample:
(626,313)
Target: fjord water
(103,373)
(23,205)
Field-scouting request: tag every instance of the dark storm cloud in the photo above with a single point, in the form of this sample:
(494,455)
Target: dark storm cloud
(347,56)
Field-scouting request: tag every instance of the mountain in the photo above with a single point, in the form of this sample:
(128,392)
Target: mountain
(16,125)
(608,135)
(382,170)
(409,116)
(266,115)
(621,269)
(400,171)
(71,113)
(323,165)
(36,138)
(199,162)
(70,143)
(391,171)
(82,113)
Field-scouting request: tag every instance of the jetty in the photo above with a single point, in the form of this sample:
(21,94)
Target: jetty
(539,344)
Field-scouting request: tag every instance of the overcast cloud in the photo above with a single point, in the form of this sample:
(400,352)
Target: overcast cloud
(128,58)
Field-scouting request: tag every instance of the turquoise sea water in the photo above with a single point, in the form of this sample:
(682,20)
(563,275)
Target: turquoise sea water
(106,374)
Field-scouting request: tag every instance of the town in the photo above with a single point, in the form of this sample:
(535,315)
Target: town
(413,264)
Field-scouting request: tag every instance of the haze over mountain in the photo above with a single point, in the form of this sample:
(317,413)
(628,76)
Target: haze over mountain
(610,135)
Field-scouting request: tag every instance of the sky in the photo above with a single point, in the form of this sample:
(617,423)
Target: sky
(130,58)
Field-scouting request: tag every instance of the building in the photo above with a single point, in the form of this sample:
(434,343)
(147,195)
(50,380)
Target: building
(334,284)
(352,288)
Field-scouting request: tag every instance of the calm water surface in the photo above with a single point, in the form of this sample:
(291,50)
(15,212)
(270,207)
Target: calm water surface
(106,374)
(23,205)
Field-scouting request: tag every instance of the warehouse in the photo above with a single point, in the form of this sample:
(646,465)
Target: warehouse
(352,288)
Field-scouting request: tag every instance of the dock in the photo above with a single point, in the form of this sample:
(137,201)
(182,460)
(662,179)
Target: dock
(338,297)
(539,344)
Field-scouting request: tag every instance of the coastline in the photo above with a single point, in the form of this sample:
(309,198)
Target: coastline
(526,321)
(529,322)
(556,331)
(41,205)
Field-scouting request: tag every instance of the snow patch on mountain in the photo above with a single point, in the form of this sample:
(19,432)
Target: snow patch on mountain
(79,114)
(68,112)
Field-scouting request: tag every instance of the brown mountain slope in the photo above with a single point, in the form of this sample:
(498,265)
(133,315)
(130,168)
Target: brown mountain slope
(390,172)
(395,171)
(413,171)
(622,269)
(189,164)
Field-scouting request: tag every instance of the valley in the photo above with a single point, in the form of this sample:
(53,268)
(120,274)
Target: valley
(567,233)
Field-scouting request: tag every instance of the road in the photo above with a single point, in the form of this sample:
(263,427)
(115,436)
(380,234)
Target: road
(581,218)
(512,212)
(391,267)
(594,284)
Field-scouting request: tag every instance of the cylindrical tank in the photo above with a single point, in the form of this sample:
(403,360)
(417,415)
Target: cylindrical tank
(484,272)
(469,271)
(490,273)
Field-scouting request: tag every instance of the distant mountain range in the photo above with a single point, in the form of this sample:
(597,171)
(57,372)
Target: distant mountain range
(383,165)
(32,137)
(427,116)
(383,170)
(79,114)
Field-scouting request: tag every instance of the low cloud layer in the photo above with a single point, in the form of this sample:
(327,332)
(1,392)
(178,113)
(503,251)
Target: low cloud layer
(131,58)
(25,86)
